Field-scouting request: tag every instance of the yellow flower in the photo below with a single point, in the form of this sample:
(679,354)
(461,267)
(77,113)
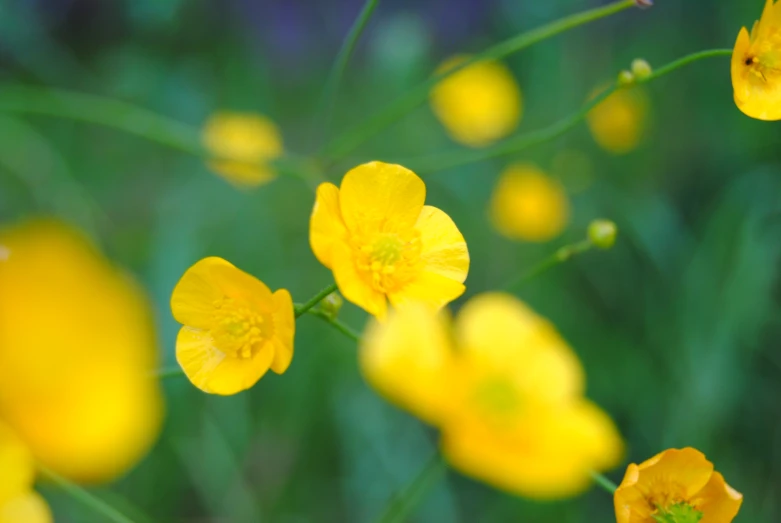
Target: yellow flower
(242,146)
(506,394)
(18,502)
(382,243)
(756,66)
(675,486)
(618,123)
(77,346)
(479,104)
(234,330)
(529,205)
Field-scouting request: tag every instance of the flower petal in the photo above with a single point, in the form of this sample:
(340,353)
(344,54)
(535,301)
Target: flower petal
(353,286)
(381,197)
(681,472)
(243,174)
(444,250)
(284,331)
(429,288)
(16,464)
(27,508)
(326,225)
(629,502)
(718,501)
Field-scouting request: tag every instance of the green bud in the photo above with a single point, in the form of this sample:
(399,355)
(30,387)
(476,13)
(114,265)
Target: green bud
(641,69)
(625,78)
(602,233)
(332,304)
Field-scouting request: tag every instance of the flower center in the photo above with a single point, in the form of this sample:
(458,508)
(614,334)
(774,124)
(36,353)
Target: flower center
(389,260)
(238,331)
(677,513)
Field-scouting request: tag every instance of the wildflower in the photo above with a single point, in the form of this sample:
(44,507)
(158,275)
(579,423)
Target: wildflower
(529,205)
(234,329)
(503,388)
(77,344)
(756,66)
(675,486)
(478,104)
(618,122)
(242,146)
(382,243)
(18,502)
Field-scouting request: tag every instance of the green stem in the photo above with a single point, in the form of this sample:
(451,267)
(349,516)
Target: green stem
(405,501)
(676,64)
(317,298)
(172,372)
(334,81)
(347,142)
(84,497)
(341,327)
(560,256)
(603,482)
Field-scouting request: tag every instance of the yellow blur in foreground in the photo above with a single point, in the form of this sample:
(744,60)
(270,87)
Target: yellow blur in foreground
(479,104)
(19,503)
(77,346)
(529,205)
(242,145)
(675,486)
(619,122)
(382,243)
(756,77)
(504,389)
(234,330)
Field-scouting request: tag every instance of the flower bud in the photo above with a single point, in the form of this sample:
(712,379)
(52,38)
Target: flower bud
(643,4)
(641,69)
(332,304)
(625,78)
(602,233)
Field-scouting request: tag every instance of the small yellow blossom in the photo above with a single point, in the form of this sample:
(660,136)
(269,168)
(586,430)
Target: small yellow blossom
(756,66)
(529,205)
(675,486)
(77,346)
(19,503)
(479,104)
(234,330)
(619,122)
(382,243)
(242,145)
(504,389)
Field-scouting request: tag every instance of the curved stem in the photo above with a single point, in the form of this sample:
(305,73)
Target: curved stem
(675,64)
(317,298)
(560,256)
(340,326)
(347,142)
(603,482)
(404,502)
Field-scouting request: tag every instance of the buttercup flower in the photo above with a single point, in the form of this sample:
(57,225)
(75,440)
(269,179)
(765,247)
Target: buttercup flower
(382,243)
(529,205)
(19,503)
(675,486)
(479,104)
(756,66)
(77,346)
(234,330)
(618,123)
(242,145)
(504,389)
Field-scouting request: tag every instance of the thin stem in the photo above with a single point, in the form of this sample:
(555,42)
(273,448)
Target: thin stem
(340,326)
(603,482)
(334,81)
(686,60)
(405,501)
(317,298)
(172,372)
(558,257)
(347,142)
(84,497)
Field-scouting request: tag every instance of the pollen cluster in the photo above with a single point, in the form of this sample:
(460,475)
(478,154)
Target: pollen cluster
(238,330)
(388,260)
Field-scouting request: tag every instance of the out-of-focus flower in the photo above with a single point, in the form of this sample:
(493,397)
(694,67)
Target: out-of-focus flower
(19,503)
(529,205)
(77,346)
(675,486)
(756,66)
(618,123)
(479,104)
(242,146)
(504,389)
(234,330)
(382,243)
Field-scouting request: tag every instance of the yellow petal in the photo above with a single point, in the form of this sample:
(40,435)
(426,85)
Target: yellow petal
(381,197)
(443,250)
(428,288)
(630,503)
(757,89)
(17,470)
(27,508)
(284,331)
(242,137)
(408,360)
(326,226)
(718,501)
(243,174)
(212,371)
(353,286)
(618,124)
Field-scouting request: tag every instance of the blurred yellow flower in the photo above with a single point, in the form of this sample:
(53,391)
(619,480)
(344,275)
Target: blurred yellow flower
(529,205)
(756,66)
(479,104)
(234,330)
(77,345)
(619,122)
(242,145)
(382,242)
(508,397)
(18,502)
(675,486)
